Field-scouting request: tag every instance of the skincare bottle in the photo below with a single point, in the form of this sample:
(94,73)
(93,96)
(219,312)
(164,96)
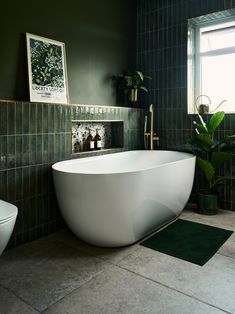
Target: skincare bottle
(90,141)
(97,140)
(77,147)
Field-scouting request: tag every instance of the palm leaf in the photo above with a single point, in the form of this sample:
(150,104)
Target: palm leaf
(201,128)
(215,121)
(128,80)
(203,123)
(141,75)
(219,158)
(144,88)
(230,141)
(189,147)
(207,168)
(220,182)
(204,141)
(229,138)
(192,147)
(227,144)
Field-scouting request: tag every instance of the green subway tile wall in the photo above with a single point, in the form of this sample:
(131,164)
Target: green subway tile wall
(162,53)
(33,136)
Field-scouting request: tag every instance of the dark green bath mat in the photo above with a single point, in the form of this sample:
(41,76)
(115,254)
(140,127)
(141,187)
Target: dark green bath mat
(190,241)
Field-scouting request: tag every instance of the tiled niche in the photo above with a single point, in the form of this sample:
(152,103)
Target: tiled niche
(33,136)
(110,132)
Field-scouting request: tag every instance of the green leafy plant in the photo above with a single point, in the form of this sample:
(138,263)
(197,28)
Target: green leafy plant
(131,80)
(212,154)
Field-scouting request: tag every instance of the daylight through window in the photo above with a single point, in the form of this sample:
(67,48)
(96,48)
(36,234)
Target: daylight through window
(214,64)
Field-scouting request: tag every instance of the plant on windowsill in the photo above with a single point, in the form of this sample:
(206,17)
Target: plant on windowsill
(211,155)
(131,82)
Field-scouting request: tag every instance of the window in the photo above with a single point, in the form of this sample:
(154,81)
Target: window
(211,64)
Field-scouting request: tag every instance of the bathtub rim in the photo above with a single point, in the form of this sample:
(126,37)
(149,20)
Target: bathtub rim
(72,160)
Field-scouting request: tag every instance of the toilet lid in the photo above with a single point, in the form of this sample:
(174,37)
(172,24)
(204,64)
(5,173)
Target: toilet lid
(7,211)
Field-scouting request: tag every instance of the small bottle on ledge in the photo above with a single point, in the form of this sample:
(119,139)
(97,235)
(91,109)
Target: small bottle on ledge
(90,142)
(97,140)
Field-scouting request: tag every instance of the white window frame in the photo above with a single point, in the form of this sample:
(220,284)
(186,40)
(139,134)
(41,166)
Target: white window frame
(194,58)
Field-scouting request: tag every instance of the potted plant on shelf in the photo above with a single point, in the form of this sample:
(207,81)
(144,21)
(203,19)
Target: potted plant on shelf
(131,82)
(211,155)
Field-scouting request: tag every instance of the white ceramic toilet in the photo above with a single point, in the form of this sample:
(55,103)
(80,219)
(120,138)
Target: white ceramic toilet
(8,214)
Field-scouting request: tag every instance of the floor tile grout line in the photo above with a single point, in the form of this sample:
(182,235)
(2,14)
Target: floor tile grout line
(116,263)
(106,264)
(171,288)
(223,254)
(66,295)
(93,277)
(112,264)
(19,297)
(88,252)
(208,223)
(75,289)
(96,255)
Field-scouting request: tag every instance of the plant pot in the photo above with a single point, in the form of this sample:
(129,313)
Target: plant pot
(203,109)
(207,204)
(133,95)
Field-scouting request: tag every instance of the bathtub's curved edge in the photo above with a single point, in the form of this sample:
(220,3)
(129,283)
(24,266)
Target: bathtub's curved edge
(139,241)
(191,156)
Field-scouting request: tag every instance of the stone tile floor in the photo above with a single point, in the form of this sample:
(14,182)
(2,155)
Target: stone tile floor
(61,274)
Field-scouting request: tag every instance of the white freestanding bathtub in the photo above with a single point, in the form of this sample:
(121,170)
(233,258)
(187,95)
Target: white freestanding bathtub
(117,199)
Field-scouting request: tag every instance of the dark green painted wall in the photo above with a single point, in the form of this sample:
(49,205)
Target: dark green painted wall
(99,37)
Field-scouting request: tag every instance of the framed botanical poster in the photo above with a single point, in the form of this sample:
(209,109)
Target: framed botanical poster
(47,70)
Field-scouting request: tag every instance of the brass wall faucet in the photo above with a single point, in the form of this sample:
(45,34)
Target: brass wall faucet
(152,135)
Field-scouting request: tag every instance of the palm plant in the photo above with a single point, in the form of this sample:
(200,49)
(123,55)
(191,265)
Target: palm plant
(211,153)
(129,80)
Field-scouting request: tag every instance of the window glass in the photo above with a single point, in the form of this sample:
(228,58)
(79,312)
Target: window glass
(217,80)
(217,38)
(211,62)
